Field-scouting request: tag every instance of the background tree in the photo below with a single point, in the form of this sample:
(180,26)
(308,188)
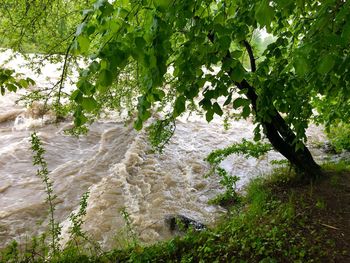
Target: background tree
(40,26)
(45,30)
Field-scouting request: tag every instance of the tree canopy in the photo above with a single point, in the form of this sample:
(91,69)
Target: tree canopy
(199,54)
(38,25)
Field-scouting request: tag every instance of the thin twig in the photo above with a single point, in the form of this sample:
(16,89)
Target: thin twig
(65,65)
(329,226)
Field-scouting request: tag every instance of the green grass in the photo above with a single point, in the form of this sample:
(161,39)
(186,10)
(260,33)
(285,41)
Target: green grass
(339,136)
(263,228)
(338,167)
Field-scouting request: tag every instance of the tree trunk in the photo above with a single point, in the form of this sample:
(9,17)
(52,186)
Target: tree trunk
(277,131)
(302,159)
(283,138)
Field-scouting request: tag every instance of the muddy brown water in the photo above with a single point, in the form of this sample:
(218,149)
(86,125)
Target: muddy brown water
(115,164)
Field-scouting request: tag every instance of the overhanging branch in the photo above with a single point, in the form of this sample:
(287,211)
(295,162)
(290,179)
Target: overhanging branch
(250,54)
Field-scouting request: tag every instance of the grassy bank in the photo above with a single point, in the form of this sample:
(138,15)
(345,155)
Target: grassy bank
(277,220)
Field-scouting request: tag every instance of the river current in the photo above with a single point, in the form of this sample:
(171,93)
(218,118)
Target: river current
(116,165)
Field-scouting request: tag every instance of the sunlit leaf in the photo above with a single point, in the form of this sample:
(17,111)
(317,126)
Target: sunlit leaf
(89,104)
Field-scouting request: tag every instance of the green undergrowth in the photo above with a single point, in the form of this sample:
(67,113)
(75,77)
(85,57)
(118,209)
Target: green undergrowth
(338,167)
(270,224)
(339,136)
(273,222)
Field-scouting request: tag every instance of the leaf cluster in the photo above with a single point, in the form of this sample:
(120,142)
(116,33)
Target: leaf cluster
(184,52)
(171,55)
(245,148)
(11,82)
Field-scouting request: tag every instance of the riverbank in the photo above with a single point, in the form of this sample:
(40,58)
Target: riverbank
(278,220)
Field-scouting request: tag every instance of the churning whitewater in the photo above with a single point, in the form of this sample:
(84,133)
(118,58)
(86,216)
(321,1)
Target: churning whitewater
(116,165)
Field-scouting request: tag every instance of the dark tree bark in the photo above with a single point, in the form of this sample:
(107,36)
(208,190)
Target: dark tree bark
(279,133)
(282,137)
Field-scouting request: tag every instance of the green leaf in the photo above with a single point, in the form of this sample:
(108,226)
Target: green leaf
(76,96)
(180,106)
(284,3)
(86,87)
(24,83)
(209,115)
(210,94)
(301,66)
(162,4)
(264,14)
(257,133)
(62,27)
(107,9)
(236,53)
(90,30)
(224,42)
(138,124)
(238,72)
(79,117)
(103,64)
(104,6)
(105,78)
(158,94)
(346,32)
(239,102)
(11,87)
(94,67)
(30,81)
(300,4)
(89,104)
(191,91)
(145,115)
(140,43)
(84,43)
(246,112)
(217,109)
(326,63)
(119,60)
(205,104)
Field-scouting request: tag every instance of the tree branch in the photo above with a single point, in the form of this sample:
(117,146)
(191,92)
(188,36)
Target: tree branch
(251,55)
(65,65)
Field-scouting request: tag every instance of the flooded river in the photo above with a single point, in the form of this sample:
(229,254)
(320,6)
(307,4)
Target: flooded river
(116,165)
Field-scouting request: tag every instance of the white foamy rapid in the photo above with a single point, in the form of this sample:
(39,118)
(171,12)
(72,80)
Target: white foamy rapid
(115,164)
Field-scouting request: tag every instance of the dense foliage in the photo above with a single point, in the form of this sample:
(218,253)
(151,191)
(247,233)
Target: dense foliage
(339,135)
(11,81)
(39,26)
(147,55)
(307,62)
